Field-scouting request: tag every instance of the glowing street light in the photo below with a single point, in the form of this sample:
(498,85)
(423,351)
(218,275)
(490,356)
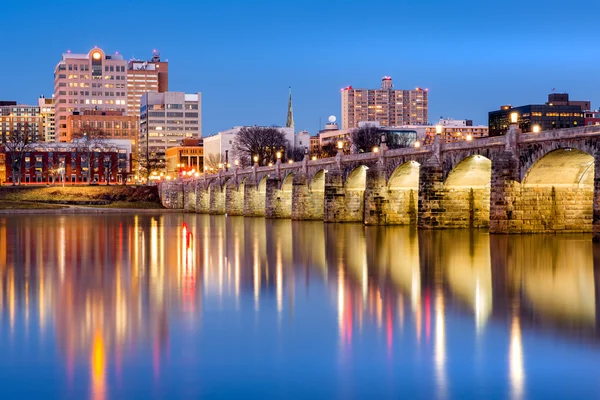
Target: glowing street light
(255,159)
(236,162)
(340,145)
(417,144)
(375,149)
(536,129)
(438,129)
(314,158)
(278,155)
(469,137)
(514,117)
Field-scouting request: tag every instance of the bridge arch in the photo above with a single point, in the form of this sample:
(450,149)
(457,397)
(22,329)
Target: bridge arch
(317,182)
(467,193)
(403,194)
(557,192)
(356,180)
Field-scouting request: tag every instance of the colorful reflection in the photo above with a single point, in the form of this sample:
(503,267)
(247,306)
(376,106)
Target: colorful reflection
(107,289)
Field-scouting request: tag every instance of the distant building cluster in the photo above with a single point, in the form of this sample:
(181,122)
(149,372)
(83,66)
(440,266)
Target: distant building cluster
(128,101)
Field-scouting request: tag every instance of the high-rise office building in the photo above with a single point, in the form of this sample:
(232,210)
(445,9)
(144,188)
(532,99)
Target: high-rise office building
(46,106)
(386,106)
(145,76)
(167,119)
(92,81)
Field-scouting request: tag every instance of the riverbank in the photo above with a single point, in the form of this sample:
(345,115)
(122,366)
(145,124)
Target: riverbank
(81,198)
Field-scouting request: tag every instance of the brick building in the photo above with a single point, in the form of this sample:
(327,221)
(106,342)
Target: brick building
(47,164)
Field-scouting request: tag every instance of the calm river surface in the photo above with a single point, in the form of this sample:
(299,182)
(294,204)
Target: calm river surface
(189,306)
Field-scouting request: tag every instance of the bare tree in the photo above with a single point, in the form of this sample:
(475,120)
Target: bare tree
(260,142)
(17,143)
(368,137)
(89,143)
(328,150)
(295,153)
(213,160)
(149,163)
(398,140)
(365,138)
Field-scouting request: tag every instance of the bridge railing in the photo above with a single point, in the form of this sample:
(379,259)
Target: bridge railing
(408,151)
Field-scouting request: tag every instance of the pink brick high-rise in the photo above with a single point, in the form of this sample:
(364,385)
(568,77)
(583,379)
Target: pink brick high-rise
(92,81)
(388,106)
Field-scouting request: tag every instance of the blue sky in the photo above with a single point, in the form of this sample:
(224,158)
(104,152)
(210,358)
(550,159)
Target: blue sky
(242,55)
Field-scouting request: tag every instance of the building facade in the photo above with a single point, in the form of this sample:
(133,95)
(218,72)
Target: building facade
(92,81)
(386,106)
(453,130)
(189,156)
(48,118)
(592,117)
(25,119)
(544,116)
(145,76)
(562,99)
(57,162)
(166,120)
(114,124)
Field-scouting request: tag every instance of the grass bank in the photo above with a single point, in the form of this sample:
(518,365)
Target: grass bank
(31,197)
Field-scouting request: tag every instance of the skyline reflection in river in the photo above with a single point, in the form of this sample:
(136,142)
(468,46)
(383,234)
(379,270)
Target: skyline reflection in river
(189,305)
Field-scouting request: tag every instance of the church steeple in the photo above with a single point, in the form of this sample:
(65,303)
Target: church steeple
(290,115)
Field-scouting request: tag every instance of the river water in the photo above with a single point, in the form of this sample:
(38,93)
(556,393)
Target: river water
(190,306)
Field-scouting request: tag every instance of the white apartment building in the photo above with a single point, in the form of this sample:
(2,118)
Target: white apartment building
(168,118)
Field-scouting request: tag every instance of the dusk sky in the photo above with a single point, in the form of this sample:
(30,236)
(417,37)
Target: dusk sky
(473,55)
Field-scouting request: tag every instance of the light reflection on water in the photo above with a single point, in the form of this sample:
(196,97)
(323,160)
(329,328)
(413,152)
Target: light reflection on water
(188,305)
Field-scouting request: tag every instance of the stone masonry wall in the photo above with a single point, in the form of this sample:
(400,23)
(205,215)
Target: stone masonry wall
(254,199)
(342,204)
(551,209)
(307,203)
(202,200)
(278,201)
(217,200)
(431,195)
(466,208)
(189,196)
(401,208)
(234,199)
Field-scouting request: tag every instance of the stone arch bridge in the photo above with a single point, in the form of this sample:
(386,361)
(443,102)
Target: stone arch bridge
(517,183)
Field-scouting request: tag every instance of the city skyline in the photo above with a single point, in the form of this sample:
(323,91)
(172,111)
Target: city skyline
(471,58)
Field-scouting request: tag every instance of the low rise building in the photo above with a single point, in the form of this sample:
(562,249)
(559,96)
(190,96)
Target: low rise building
(189,156)
(559,112)
(48,163)
(592,117)
(453,130)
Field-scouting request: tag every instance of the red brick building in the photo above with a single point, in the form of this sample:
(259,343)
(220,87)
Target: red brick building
(47,165)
